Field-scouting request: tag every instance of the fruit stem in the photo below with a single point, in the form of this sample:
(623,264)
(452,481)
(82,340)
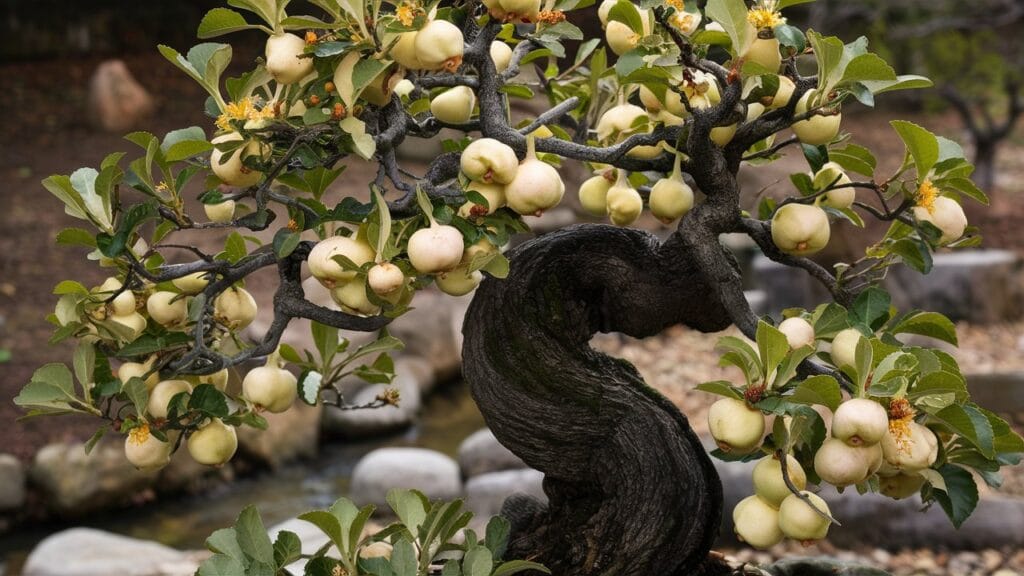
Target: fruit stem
(531,148)
(274,358)
(676,174)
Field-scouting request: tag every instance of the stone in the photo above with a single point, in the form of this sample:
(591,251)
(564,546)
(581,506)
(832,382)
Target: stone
(376,421)
(978,286)
(486,493)
(290,435)
(117,102)
(419,368)
(89,552)
(74,483)
(12,483)
(430,472)
(428,331)
(481,453)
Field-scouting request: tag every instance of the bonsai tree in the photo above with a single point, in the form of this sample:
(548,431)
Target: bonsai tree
(665,109)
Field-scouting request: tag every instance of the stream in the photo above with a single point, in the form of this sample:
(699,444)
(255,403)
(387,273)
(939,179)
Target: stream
(449,416)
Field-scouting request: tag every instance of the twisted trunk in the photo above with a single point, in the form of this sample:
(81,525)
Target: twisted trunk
(631,490)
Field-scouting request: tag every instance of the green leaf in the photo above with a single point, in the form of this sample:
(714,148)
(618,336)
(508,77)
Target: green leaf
(138,394)
(285,242)
(902,82)
(931,324)
(85,364)
(627,13)
(51,387)
(829,319)
(76,237)
(967,421)
(822,390)
(225,541)
(828,51)
(732,15)
(234,248)
(496,536)
(922,145)
(287,548)
(871,308)
(517,566)
(208,400)
(221,565)
(772,347)
(221,21)
(403,558)
(961,495)
(867,67)
(478,562)
(721,388)
(327,523)
(252,536)
(965,186)
(410,507)
(854,158)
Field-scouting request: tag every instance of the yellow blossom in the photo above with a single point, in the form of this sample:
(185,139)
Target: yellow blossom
(406,14)
(677,4)
(244,109)
(139,435)
(762,18)
(686,22)
(926,196)
(901,415)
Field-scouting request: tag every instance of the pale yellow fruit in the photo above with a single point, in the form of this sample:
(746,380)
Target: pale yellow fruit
(673,101)
(798,332)
(754,111)
(800,229)
(817,129)
(352,298)
(722,135)
(537,187)
(284,62)
(232,171)
(757,523)
(323,266)
(620,37)
(454,106)
(844,348)
(162,394)
(860,422)
(404,51)
(130,370)
(435,249)
(193,283)
(145,451)
(235,308)
(832,174)
(769,484)
(221,213)
(594,195)
(874,457)
(213,444)
(947,215)
(459,281)
(378,92)
(482,247)
(439,45)
(624,204)
(121,305)
(385,278)
(604,9)
(376,550)
(489,160)
(784,94)
(404,87)
(841,465)
(514,10)
(167,308)
(501,55)
(799,522)
(900,486)
(735,426)
(272,388)
(218,379)
(493,193)
(914,452)
(620,122)
(765,51)
(135,322)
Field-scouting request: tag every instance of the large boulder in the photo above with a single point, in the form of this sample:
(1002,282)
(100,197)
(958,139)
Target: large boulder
(290,435)
(432,330)
(74,483)
(377,421)
(979,286)
(486,493)
(430,472)
(117,102)
(89,552)
(12,483)
(481,453)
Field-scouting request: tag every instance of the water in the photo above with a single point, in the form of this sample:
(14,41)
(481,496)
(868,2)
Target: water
(449,416)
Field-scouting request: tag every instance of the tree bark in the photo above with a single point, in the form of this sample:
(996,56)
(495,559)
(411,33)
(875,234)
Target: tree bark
(631,490)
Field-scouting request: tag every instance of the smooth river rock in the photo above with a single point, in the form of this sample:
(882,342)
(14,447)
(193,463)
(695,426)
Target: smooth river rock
(481,453)
(486,493)
(290,435)
(430,472)
(12,483)
(371,422)
(74,483)
(89,552)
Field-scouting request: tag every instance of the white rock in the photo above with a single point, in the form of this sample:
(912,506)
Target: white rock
(430,472)
(376,421)
(486,493)
(481,453)
(12,482)
(89,552)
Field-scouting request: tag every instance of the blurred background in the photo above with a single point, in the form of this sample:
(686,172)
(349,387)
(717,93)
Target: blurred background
(79,74)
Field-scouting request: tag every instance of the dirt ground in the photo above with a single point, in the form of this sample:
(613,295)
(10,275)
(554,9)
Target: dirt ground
(48,132)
